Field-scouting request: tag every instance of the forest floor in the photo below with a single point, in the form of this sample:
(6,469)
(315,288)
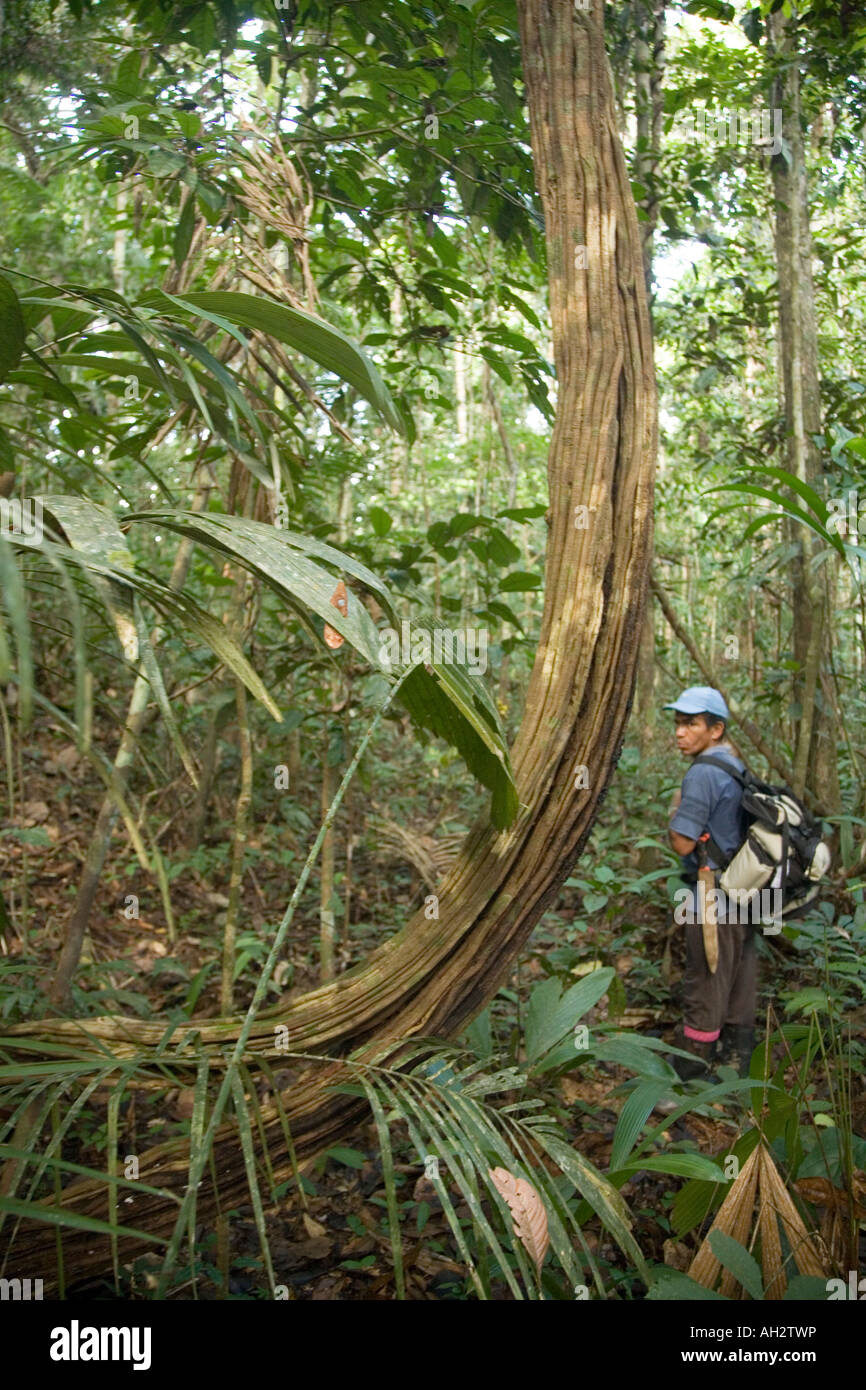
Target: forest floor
(335,1244)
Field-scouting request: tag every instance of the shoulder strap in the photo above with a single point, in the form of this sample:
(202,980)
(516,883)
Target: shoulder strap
(721,858)
(723,766)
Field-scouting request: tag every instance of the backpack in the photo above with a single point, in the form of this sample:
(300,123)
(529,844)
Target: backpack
(782,850)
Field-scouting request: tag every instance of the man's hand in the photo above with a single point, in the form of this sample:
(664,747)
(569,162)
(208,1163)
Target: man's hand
(681,844)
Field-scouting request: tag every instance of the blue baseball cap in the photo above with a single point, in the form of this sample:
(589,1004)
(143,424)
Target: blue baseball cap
(701,699)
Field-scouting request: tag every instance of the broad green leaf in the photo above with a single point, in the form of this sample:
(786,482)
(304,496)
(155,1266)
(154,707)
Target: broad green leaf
(787,508)
(309,335)
(740,1262)
(445,699)
(456,706)
(550,1018)
(808,494)
(806,1288)
(519,581)
(351,1158)
(633,1117)
(256,531)
(630,1052)
(380,520)
(266,551)
(93,532)
(671,1285)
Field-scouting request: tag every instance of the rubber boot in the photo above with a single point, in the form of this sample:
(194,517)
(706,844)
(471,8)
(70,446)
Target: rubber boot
(740,1044)
(725,1046)
(703,1053)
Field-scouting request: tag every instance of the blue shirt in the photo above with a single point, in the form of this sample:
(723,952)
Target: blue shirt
(711,800)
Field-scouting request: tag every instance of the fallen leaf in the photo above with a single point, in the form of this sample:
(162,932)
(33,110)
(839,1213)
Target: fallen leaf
(308,1251)
(821,1193)
(283,969)
(184,1103)
(147,946)
(586,967)
(676,1255)
(66,760)
(430,1263)
(527,1212)
(314,1228)
(424,1191)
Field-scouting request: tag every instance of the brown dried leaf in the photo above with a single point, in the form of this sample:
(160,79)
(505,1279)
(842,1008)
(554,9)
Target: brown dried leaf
(821,1193)
(340,601)
(424,1191)
(184,1103)
(527,1212)
(758,1179)
(733,1217)
(303,1252)
(676,1255)
(773,1269)
(806,1256)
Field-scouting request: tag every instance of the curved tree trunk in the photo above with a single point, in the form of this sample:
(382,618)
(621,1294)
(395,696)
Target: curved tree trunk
(437,974)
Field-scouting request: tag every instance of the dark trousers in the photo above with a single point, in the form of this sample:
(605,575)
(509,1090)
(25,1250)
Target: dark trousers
(729,996)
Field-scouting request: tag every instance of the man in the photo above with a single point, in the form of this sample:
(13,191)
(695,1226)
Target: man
(719,1008)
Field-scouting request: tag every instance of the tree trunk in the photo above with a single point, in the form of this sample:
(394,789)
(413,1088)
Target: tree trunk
(649,114)
(460,396)
(435,975)
(814,755)
(649,110)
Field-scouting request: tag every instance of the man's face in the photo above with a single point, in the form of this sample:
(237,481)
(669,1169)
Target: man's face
(693,736)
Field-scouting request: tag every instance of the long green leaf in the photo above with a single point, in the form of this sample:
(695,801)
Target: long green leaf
(12,331)
(309,335)
(633,1117)
(390,1186)
(93,532)
(445,698)
(601,1195)
(12,595)
(677,1165)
